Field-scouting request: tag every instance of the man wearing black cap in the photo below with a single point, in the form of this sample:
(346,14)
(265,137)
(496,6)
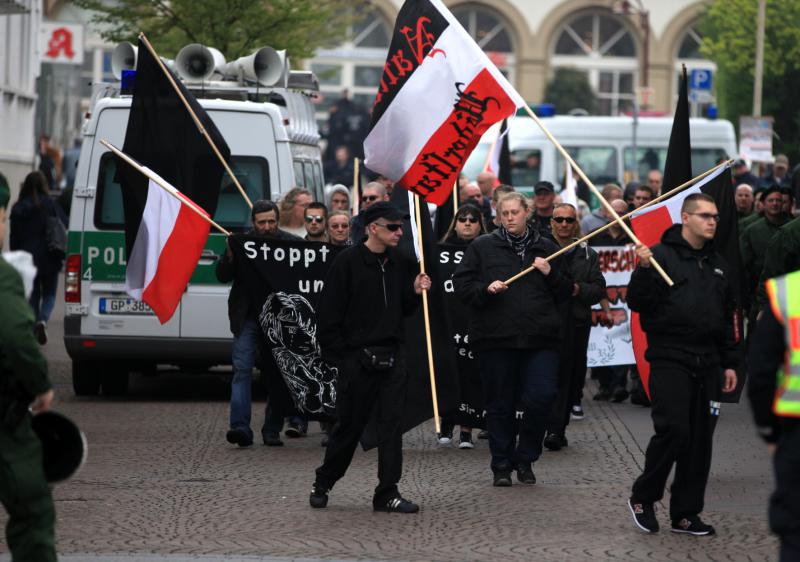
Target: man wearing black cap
(544,195)
(368,290)
(23,383)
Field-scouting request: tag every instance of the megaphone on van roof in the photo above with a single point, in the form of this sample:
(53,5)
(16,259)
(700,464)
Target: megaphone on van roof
(123,58)
(196,62)
(266,66)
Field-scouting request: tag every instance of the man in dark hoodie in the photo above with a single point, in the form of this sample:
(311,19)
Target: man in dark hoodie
(691,350)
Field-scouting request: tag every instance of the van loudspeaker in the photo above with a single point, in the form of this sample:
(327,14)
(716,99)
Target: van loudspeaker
(196,62)
(266,66)
(123,58)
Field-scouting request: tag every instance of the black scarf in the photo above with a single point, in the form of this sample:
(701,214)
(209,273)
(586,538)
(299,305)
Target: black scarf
(518,243)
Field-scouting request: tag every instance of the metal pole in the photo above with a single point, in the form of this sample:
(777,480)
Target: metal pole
(762,15)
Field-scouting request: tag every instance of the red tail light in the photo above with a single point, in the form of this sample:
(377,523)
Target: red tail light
(72,282)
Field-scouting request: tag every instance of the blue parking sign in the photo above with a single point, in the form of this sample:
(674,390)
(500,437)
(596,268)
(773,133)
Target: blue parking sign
(700,79)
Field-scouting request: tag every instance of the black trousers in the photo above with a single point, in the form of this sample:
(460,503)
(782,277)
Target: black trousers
(358,393)
(571,377)
(784,504)
(685,410)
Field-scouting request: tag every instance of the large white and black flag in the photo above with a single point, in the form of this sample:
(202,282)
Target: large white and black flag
(285,278)
(438,94)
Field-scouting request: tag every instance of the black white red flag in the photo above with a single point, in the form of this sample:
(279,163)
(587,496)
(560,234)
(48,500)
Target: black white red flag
(438,94)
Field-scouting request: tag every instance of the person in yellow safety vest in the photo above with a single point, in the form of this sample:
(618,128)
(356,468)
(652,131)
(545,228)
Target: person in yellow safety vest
(774,389)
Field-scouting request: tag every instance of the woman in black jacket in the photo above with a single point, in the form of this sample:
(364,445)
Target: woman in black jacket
(514,332)
(588,288)
(466,226)
(28,232)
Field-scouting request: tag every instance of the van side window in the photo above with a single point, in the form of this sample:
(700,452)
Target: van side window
(232,210)
(526,168)
(299,178)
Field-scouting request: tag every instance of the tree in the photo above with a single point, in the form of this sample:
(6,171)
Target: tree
(731,43)
(570,89)
(235,27)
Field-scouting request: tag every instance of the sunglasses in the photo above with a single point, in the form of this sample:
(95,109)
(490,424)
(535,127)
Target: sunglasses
(472,220)
(568,220)
(340,226)
(370,198)
(314,218)
(391,227)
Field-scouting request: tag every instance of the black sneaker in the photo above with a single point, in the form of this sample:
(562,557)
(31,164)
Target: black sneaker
(465,440)
(397,504)
(483,434)
(502,479)
(446,434)
(640,399)
(555,442)
(577,412)
(602,396)
(319,497)
(620,395)
(525,474)
(692,525)
(238,437)
(295,430)
(644,515)
(273,440)
(40,331)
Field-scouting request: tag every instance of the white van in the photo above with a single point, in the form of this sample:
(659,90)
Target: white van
(273,139)
(601,146)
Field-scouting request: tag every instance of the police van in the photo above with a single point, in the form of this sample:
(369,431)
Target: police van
(273,137)
(602,147)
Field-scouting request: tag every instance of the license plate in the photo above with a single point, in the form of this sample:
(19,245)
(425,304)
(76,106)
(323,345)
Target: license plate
(123,306)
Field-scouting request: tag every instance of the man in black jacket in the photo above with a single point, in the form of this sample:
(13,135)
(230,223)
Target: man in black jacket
(243,316)
(691,348)
(514,333)
(368,290)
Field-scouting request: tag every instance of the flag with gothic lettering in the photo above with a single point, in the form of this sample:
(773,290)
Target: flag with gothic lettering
(438,94)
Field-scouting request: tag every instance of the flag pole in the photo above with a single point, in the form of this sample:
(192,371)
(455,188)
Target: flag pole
(196,119)
(591,186)
(455,198)
(355,186)
(436,420)
(158,180)
(605,227)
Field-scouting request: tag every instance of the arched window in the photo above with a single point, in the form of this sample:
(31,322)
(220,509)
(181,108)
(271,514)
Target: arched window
(491,34)
(687,52)
(690,45)
(602,46)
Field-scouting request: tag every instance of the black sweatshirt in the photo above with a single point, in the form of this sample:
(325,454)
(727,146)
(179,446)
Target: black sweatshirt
(364,300)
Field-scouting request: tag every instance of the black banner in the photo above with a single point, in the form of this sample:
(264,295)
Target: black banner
(287,276)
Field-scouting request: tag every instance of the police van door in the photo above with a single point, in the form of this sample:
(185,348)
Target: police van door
(110,311)
(251,138)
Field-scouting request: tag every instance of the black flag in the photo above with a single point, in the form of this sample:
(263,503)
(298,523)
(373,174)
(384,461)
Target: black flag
(678,166)
(162,135)
(504,161)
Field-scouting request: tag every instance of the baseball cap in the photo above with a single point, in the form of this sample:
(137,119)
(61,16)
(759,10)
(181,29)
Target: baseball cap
(544,186)
(382,210)
(781,160)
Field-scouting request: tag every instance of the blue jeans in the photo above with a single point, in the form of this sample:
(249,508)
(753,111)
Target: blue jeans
(43,296)
(245,349)
(508,375)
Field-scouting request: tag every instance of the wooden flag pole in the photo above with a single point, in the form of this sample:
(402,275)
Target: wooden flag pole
(355,186)
(195,118)
(605,227)
(455,198)
(162,183)
(591,186)
(436,420)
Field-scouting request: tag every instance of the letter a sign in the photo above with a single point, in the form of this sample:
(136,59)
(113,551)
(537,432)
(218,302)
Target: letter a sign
(61,43)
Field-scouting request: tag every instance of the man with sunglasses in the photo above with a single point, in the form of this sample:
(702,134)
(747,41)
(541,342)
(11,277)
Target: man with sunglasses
(369,288)
(316,222)
(372,193)
(692,349)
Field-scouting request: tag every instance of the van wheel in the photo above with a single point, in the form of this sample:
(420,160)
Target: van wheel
(85,378)
(115,382)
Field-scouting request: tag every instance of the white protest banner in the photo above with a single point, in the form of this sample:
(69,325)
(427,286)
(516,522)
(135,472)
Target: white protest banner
(612,346)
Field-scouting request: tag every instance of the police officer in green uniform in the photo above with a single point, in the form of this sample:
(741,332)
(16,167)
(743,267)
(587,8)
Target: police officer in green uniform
(774,389)
(24,492)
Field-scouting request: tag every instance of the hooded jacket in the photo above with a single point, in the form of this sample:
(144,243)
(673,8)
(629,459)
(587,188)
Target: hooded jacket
(692,321)
(28,227)
(524,316)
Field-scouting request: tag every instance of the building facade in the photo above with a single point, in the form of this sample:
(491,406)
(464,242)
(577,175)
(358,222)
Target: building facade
(623,47)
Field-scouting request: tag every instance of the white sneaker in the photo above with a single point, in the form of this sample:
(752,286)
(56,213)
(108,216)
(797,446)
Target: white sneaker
(444,440)
(577,412)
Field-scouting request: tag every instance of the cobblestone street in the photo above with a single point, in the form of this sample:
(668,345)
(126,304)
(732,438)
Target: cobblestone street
(162,483)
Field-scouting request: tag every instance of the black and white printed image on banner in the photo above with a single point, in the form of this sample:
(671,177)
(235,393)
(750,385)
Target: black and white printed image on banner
(613,346)
(286,278)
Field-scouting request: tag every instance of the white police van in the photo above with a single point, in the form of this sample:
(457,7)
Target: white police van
(602,147)
(273,138)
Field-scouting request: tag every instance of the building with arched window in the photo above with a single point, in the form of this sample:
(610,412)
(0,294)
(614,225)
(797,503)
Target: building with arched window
(621,46)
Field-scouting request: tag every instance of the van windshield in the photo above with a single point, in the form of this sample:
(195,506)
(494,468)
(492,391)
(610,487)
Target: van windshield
(654,158)
(232,211)
(599,163)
